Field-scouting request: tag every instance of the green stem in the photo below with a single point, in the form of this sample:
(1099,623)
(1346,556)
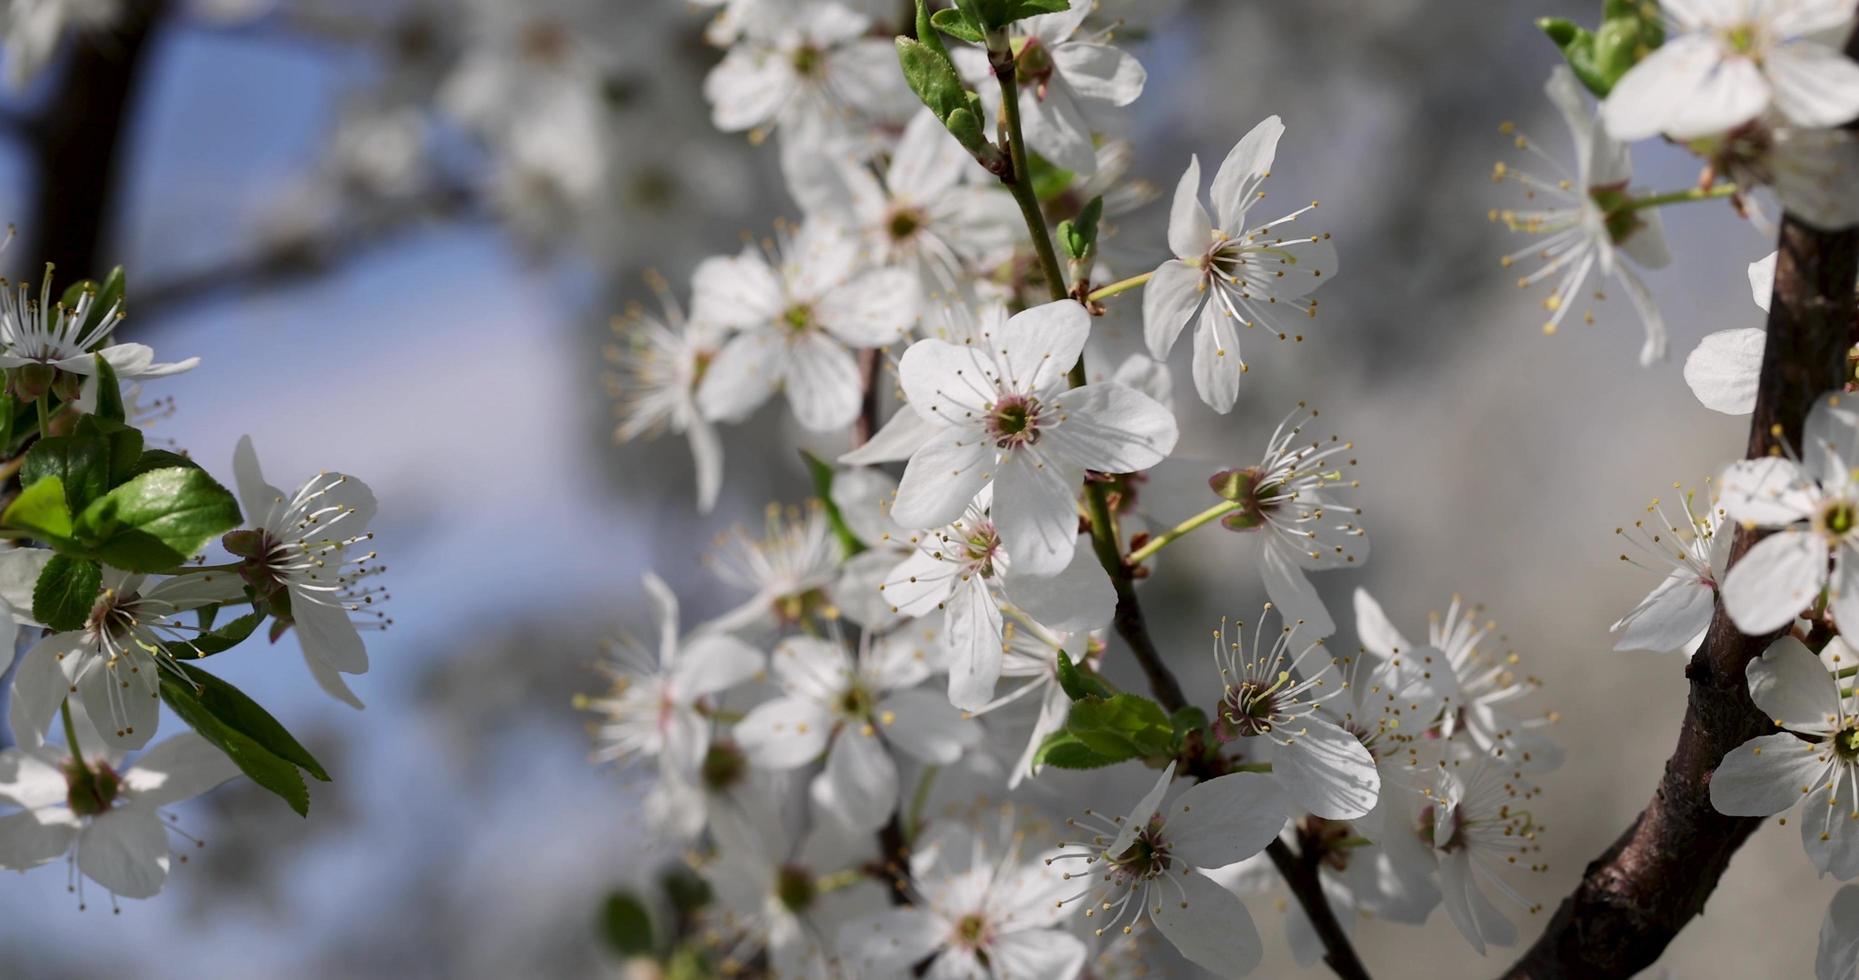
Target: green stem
(44,415)
(1711,193)
(1181,530)
(64,709)
(1120,286)
(913,825)
(1020,183)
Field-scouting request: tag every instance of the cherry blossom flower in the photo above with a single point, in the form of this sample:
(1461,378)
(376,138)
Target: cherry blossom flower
(1359,880)
(1815,504)
(1724,64)
(964,571)
(113,665)
(795,314)
(1152,866)
(1810,170)
(1031,658)
(1470,827)
(1483,688)
(1677,613)
(789,894)
(658,364)
(1273,696)
(1726,365)
(1813,760)
(46,331)
(33,29)
(856,711)
(980,911)
(810,73)
(1289,500)
(1586,224)
(1064,80)
(788,570)
(105,817)
(1008,420)
(659,700)
(1224,274)
(299,552)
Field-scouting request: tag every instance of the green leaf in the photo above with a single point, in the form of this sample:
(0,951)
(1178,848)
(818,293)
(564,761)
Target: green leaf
(625,925)
(822,474)
(109,390)
(211,641)
(249,736)
(160,459)
(159,519)
(955,24)
(66,591)
(1049,181)
(1021,9)
(74,292)
(1063,750)
(1079,235)
(1121,723)
(1187,721)
(41,509)
(81,464)
(1081,682)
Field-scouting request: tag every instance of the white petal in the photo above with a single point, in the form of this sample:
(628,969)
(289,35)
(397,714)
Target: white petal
(859,784)
(1190,231)
(327,633)
(920,583)
(1830,440)
(1100,72)
(1762,279)
(1838,956)
(34,837)
(1767,775)
(255,495)
(1670,617)
(822,383)
(1111,428)
(1043,343)
(1770,492)
(1037,954)
(712,663)
(903,435)
(1815,86)
(941,480)
(1226,820)
(1207,923)
(1775,580)
(742,376)
(1791,685)
(1145,808)
(1056,127)
(740,292)
(331,682)
(1830,831)
(812,668)
(39,687)
(179,768)
(784,733)
(1724,368)
(890,942)
(1217,364)
(125,849)
(872,310)
(747,88)
(1171,298)
(707,455)
(19,575)
(927,160)
(1290,590)
(973,636)
(1326,770)
(1375,630)
(1476,918)
(1236,185)
(1036,510)
(1843,589)
(948,384)
(30,780)
(1686,89)
(1078,598)
(858,592)
(863,496)
(923,724)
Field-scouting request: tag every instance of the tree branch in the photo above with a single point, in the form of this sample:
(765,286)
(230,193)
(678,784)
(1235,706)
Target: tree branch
(1642,890)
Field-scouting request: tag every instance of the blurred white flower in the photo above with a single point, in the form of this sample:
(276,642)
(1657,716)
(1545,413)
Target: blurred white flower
(1723,64)
(796,313)
(658,363)
(1838,957)
(856,711)
(1064,80)
(788,569)
(813,73)
(32,30)
(1589,221)
(1470,828)
(1152,866)
(1008,420)
(1225,275)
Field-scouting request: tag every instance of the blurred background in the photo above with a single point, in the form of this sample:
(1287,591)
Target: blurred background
(382,278)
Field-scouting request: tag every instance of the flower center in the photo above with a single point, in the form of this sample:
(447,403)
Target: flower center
(1837,518)
(1033,65)
(1846,743)
(796,607)
(1247,710)
(724,766)
(1014,421)
(89,792)
(798,319)
(904,223)
(1425,829)
(1247,488)
(856,703)
(1146,857)
(982,544)
(1742,39)
(795,888)
(808,60)
(971,931)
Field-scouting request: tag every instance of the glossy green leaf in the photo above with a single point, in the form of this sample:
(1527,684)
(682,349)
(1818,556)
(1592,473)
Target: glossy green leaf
(41,509)
(1063,750)
(158,519)
(1121,723)
(109,390)
(249,736)
(211,641)
(625,926)
(66,591)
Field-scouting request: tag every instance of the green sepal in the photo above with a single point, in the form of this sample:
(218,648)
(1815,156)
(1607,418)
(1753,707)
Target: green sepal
(249,736)
(158,519)
(66,592)
(109,389)
(1186,722)
(822,474)
(625,926)
(1079,683)
(1123,725)
(956,24)
(41,509)
(1078,236)
(1063,750)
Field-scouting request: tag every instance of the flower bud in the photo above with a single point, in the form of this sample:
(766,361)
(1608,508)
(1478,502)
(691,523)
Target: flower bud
(32,381)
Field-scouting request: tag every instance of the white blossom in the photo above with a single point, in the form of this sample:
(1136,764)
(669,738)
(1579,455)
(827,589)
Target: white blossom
(1470,827)
(1225,274)
(69,338)
(657,367)
(811,73)
(1692,559)
(1066,79)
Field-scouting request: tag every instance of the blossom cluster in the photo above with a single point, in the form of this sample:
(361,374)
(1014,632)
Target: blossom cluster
(106,588)
(940,614)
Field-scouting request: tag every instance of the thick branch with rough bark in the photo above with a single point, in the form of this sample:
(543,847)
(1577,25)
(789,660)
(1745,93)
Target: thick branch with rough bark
(1641,891)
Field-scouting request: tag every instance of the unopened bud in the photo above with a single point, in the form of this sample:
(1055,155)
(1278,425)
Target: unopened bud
(32,381)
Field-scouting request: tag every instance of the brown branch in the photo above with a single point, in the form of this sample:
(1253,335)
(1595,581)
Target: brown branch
(1641,891)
